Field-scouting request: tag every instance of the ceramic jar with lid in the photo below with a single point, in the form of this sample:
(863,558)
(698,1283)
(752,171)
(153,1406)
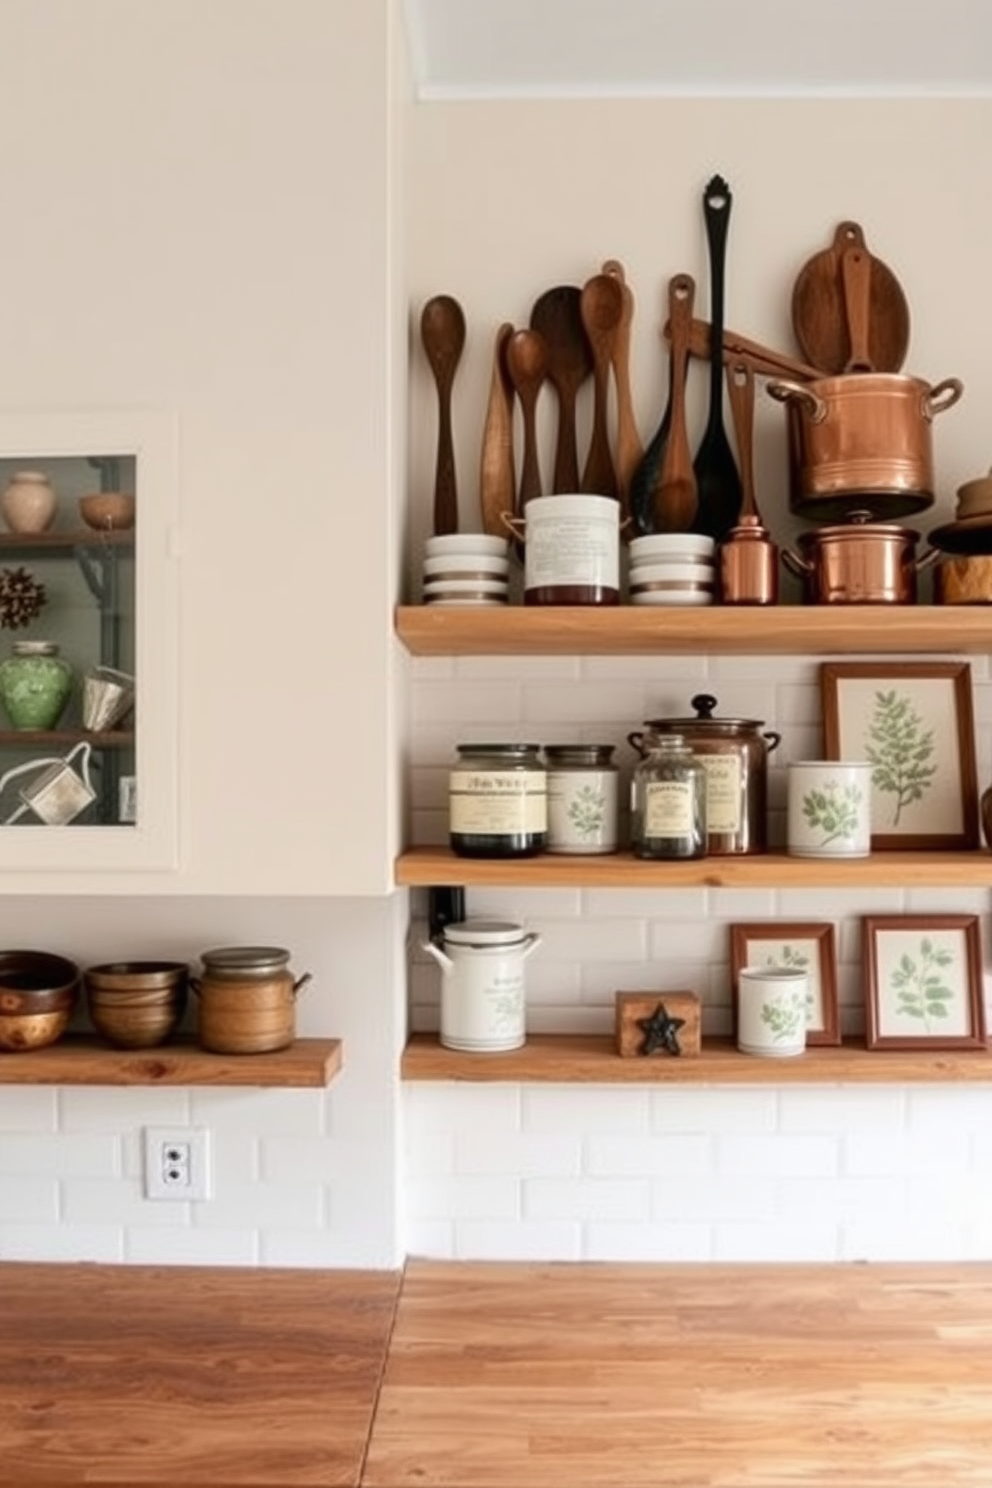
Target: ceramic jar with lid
(483,997)
(247,999)
(572,550)
(734,753)
(583,790)
(498,801)
(668,801)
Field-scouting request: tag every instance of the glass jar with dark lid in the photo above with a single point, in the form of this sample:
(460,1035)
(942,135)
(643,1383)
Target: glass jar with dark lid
(498,801)
(668,801)
(583,790)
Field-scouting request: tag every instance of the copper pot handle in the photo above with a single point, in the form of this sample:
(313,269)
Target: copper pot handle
(801,567)
(942,397)
(926,559)
(784,391)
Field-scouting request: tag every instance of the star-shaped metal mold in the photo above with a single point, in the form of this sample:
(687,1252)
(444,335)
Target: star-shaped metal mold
(661,1031)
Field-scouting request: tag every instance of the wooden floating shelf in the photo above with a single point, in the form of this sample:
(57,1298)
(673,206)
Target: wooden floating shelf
(592,1059)
(309,1063)
(428,867)
(629,630)
(56,738)
(80,537)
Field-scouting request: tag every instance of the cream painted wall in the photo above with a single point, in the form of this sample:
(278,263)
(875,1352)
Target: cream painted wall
(509,198)
(198,221)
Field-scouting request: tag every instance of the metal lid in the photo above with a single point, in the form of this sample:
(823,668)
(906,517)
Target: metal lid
(704,722)
(509,750)
(483,932)
(245,959)
(585,754)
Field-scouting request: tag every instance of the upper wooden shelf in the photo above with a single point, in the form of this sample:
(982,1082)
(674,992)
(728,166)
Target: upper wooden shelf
(79,537)
(430,867)
(571,1058)
(85,1061)
(629,630)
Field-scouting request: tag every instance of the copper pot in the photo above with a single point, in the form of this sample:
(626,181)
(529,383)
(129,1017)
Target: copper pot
(860,563)
(862,441)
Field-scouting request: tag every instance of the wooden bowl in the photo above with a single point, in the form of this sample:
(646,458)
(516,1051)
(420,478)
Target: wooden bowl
(38,995)
(137,1004)
(108,511)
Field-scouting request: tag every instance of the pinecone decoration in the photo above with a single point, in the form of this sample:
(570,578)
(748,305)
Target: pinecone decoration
(21,597)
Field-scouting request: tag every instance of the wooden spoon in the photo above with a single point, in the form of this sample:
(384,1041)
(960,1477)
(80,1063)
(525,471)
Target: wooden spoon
(497,473)
(820,309)
(717,476)
(676,496)
(602,311)
(442,330)
(855,273)
(527,364)
(740,386)
(557,316)
(630,450)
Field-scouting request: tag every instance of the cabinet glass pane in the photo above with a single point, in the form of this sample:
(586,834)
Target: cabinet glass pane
(68,640)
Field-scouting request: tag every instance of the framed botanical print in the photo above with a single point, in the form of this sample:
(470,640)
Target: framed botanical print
(913,723)
(798,947)
(923,982)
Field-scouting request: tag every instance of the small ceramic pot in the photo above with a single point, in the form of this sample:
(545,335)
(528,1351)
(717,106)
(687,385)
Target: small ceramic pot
(28,502)
(771,1011)
(35,683)
(829,809)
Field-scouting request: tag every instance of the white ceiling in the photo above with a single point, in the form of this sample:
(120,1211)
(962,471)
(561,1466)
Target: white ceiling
(771,48)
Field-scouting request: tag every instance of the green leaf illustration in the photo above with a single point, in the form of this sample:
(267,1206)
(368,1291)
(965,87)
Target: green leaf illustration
(587,810)
(920,992)
(899,750)
(834,809)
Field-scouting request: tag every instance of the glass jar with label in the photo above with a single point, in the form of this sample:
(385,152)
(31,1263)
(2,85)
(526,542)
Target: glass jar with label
(668,801)
(498,801)
(582,798)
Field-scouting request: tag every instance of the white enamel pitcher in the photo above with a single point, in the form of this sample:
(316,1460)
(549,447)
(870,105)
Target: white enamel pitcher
(483,998)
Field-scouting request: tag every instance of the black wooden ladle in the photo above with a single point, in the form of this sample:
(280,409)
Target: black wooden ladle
(717,476)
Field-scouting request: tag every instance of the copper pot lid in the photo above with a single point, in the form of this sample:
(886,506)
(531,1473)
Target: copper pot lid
(704,721)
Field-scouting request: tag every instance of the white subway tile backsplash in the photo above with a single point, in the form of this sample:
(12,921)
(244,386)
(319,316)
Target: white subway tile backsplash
(837,1200)
(714,1198)
(932,1239)
(670,1241)
(27,1108)
(872,1108)
(714,1109)
(276,1112)
(187,1247)
(431,1239)
(299,1205)
(64,1153)
(778,1154)
(908,1153)
(680,905)
(509,1154)
(588,941)
(27,1200)
(815,1240)
(664,1156)
(525,1240)
(59,1243)
(94,1201)
(100,1108)
(585,1198)
(589,1108)
(468,703)
(464,1196)
(295,1159)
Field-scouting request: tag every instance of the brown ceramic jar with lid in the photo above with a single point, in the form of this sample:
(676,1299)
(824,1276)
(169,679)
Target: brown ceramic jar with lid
(247,1000)
(735,754)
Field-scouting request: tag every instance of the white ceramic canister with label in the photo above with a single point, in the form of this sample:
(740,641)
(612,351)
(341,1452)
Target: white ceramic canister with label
(572,550)
(483,995)
(583,792)
(829,809)
(771,1011)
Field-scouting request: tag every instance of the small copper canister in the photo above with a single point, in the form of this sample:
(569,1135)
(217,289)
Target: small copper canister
(748,565)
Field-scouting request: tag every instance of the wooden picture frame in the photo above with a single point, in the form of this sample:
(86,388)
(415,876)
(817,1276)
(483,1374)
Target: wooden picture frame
(800,946)
(913,722)
(923,982)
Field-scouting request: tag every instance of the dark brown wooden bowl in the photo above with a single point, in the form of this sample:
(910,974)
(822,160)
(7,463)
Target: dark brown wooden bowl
(38,994)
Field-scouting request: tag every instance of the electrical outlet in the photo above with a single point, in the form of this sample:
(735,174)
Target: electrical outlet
(177,1162)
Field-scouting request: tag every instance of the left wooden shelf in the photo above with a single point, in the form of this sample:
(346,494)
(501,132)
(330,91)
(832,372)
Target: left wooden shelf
(307,1063)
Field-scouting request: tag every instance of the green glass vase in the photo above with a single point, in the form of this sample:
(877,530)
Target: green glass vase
(35,683)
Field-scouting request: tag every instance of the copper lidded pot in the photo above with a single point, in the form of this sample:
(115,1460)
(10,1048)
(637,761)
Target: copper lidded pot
(735,754)
(859,563)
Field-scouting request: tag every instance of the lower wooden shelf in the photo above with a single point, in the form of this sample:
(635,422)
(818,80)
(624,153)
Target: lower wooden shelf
(592,1059)
(309,1062)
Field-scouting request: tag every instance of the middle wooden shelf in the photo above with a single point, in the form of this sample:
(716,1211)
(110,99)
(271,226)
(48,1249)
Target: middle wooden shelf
(428,867)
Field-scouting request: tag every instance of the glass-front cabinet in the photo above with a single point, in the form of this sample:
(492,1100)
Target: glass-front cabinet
(88,656)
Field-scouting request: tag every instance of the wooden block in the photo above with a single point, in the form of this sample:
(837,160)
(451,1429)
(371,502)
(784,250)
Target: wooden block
(651,1023)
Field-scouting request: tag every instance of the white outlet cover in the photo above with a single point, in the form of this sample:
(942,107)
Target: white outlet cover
(189,1176)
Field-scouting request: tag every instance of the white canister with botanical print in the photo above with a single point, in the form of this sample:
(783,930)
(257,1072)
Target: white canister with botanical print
(771,1011)
(582,798)
(829,809)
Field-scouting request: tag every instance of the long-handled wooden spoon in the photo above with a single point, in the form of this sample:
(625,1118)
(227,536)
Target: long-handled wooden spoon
(527,365)
(647,473)
(497,472)
(557,316)
(602,310)
(719,481)
(629,449)
(740,387)
(442,331)
(676,496)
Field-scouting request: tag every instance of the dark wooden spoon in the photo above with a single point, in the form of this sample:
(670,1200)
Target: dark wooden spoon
(676,494)
(630,450)
(716,470)
(442,330)
(647,471)
(497,470)
(527,365)
(557,316)
(602,312)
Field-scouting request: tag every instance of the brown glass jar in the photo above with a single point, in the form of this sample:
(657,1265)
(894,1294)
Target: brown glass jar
(498,801)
